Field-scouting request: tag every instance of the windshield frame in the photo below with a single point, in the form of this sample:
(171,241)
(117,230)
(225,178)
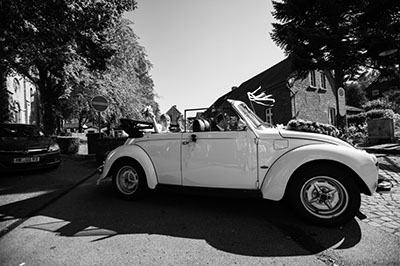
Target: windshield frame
(252,119)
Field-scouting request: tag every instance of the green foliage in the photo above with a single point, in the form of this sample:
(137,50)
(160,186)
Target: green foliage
(68,145)
(4,102)
(355,134)
(357,119)
(338,37)
(380,113)
(377,104)
(355,95)
(51,42)
(126,82)
(393,97)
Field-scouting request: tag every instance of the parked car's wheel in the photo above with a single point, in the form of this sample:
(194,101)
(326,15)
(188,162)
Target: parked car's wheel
(129,179)
(324,195)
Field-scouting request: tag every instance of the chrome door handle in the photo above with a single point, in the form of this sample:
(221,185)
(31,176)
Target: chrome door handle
(185,142)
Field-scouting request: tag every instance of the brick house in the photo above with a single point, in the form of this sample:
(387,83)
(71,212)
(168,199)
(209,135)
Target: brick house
(310,99)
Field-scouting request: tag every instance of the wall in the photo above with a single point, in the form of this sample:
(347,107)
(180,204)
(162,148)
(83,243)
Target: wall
(313,103)
(23,100)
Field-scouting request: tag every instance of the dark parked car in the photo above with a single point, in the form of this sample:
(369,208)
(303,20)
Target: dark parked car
(27,147)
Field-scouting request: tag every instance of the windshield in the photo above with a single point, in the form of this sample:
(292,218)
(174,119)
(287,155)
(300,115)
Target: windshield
(254,119)
(20,131)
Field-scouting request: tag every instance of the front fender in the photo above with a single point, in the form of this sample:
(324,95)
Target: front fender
(276,179)
(134,152)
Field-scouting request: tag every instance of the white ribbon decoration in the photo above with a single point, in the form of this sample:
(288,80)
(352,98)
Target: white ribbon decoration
(262,98)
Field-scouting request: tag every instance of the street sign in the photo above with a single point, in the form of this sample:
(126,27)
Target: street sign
(342,101)
(99,103)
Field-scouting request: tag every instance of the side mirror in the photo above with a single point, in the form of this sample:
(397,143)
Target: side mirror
(194,138)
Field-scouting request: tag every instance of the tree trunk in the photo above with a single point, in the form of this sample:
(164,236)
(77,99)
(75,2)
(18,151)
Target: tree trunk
(4,99)
(48,112)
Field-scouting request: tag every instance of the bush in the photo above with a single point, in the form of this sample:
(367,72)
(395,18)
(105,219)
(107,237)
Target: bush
(379,113)
(355,134)
(68,145)
(357,119)
(381,103)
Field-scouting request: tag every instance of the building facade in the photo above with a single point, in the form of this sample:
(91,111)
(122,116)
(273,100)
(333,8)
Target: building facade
(23,100)
(310,99)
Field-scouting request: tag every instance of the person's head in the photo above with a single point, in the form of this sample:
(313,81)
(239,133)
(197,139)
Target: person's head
(221,120)
(165,120)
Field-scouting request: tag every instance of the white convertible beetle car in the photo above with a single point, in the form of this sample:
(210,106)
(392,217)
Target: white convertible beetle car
(320,176)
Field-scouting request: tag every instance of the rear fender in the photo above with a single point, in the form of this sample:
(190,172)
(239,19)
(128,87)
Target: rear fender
(361,163)
(131,152)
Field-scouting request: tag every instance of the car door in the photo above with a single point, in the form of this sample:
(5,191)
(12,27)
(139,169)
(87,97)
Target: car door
(219,159)
(164,150)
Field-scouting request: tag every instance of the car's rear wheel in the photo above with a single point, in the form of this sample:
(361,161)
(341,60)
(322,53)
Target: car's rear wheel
(129,179)
(324,195)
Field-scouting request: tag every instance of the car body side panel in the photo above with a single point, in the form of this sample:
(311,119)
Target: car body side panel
(275,182)
(220,160)
(135,152)
(164,149)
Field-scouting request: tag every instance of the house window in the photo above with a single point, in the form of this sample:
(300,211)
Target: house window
(313,80)
(16,86)
(332,116)
(268,116)
(375,92)
(323,81)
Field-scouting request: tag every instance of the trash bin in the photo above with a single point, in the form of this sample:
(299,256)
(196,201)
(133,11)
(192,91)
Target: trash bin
(91,141)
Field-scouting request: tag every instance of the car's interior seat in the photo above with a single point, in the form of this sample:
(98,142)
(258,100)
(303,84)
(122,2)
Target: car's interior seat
(200,125)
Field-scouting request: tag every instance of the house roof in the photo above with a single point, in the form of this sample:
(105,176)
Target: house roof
(354,109)
(269,79)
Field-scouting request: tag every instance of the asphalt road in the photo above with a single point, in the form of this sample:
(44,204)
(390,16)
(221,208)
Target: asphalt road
(62,218)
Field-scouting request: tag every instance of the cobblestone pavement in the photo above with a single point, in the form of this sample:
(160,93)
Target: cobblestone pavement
(383,209)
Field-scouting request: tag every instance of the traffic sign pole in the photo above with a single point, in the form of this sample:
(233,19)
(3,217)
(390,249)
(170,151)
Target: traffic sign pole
(100,104)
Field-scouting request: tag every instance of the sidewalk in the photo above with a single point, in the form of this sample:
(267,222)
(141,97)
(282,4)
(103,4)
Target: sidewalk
(382,210)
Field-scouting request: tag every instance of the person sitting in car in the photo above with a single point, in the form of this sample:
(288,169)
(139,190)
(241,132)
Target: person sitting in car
(165,121)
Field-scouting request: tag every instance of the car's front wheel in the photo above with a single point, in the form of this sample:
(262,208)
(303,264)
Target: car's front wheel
(324,195)
(129,179)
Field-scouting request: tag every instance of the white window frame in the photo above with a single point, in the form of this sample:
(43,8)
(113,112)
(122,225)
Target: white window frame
(313,79)
(323,80)
(269,116)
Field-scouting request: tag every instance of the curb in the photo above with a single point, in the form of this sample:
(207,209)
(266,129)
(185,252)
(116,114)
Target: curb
(59,195)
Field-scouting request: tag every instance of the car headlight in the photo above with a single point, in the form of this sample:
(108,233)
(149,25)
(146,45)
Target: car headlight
(53,147)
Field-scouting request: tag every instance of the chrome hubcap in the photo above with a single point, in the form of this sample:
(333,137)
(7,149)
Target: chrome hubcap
(127,180)
(324,197)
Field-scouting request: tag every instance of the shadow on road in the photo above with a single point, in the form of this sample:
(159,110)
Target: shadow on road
(252,227)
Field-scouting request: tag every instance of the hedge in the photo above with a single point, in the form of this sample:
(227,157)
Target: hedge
(68,145)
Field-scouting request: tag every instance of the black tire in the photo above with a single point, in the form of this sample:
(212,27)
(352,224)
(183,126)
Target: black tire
(129,179)
(324,195)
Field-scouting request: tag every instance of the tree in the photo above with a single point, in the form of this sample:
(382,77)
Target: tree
(41,39)
(126,82)
(355,95)
(333,36)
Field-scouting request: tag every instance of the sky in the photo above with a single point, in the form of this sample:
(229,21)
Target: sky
(201,49)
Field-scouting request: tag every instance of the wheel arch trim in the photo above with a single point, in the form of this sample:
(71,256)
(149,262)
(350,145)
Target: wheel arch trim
(359,162)
(132,152)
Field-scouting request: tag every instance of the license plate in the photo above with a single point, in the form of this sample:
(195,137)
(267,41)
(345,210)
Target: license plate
(27,160)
